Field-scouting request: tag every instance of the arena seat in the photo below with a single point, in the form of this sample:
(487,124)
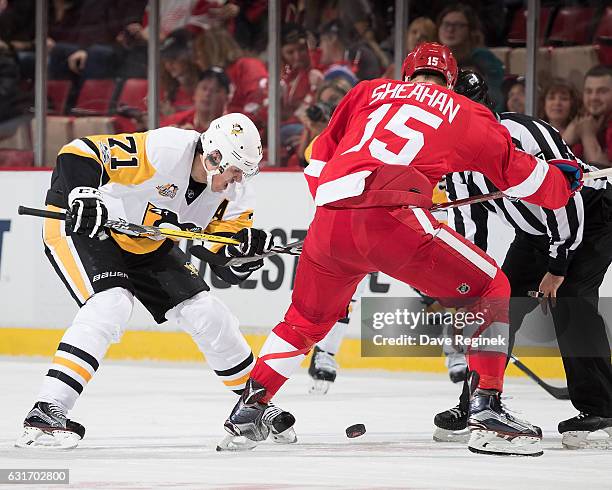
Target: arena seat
(57,95)
(518,28)
(517,62)
(572,62)
(572,26)
(603,37)
(95,98)
(133,94)
(503,54)
(88,125)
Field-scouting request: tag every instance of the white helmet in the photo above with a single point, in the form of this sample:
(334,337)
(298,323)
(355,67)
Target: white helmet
(232,139)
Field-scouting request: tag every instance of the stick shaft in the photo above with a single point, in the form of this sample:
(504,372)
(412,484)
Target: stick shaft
(41,213)
(598,174)
(137,230)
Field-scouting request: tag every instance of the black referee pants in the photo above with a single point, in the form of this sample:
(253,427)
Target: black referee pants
(580,329)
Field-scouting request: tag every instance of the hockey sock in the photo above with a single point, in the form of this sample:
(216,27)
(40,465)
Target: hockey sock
(97,324)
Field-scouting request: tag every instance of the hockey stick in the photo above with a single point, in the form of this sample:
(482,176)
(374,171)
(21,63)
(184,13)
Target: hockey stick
(132,229)
(598,174)
(556,392)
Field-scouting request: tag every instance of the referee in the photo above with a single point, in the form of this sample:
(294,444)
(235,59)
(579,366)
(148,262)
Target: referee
(562,253)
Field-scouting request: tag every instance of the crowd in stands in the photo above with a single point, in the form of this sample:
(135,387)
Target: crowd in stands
(214,60)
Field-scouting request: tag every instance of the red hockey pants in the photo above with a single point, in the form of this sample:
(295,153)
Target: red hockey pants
(409,244)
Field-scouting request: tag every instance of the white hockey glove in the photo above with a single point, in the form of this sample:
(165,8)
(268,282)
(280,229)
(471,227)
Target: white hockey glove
(86,212)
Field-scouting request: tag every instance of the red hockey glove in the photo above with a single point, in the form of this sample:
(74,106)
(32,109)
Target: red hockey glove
(572,170)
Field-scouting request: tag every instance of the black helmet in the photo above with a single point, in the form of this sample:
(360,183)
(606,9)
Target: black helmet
(472,85)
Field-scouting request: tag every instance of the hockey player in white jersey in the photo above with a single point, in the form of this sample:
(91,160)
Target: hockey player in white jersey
(165,177)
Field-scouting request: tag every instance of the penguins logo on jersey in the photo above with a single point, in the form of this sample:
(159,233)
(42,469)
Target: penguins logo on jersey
(163,217)
(167,190)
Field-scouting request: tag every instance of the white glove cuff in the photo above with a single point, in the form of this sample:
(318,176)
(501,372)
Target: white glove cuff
(84,192)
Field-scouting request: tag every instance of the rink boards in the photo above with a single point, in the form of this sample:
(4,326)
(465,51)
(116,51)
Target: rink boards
(36,307)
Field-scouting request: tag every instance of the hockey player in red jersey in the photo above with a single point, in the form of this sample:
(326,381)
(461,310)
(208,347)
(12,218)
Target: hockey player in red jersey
(372,173)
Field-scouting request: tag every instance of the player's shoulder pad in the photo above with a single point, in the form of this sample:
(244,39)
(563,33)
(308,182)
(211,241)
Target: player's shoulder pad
(170,147)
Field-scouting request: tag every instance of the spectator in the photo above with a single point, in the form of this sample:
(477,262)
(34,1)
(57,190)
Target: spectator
(336,49)
(591,132)
(420,30)
(83,36)
(209,102)
(559,104)
(299,81)
(12,103)
(316,117)
(179,74)
(513,90)
(17,30)
(460,29)
(249,76)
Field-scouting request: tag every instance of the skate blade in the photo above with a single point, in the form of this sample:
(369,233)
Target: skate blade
(319,387)
(236,443)
(490,442)
(288,436)
(33,437)
(581,440)
(445,435)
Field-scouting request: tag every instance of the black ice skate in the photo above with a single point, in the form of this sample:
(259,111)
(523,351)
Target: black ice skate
(323,369)
(451,425)
(494,431)
(581,432)
(251,422)
(46,426)
(281,424)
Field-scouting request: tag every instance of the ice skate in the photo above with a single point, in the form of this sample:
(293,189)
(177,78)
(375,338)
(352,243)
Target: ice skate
(323,369)
(585,431)
(494,431)
(46,426)
(451,425)
(281,424)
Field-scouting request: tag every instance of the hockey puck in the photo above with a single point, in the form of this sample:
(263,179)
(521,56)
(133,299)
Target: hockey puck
(355,431)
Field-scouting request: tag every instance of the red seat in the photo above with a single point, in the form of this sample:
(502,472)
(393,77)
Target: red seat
(95,98)
(57,95)
(518,29)
(134,94)
(572,26)
(604,28)
(16,158)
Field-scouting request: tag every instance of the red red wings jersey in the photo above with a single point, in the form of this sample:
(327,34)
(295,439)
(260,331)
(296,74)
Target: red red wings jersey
(432,130)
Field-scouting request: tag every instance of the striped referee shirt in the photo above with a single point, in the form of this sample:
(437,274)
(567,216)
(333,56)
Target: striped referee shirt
(564,226)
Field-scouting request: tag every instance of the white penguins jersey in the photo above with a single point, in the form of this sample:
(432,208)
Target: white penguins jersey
(145,179)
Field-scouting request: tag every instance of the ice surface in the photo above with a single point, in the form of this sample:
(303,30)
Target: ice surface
(155,425)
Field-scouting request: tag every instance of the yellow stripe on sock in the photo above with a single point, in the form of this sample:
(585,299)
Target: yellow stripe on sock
(239,381)
(82,372)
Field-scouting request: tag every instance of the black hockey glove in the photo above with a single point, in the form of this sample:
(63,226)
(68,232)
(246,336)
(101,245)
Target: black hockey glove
(86,212)
(252,242)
